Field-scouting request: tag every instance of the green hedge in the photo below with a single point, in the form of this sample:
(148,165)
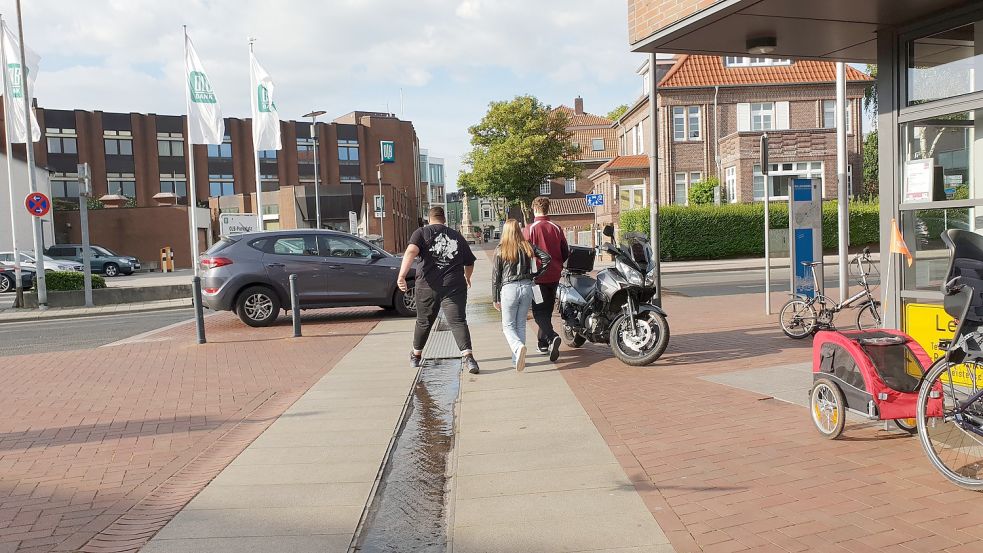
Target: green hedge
(62,281)
(735,230)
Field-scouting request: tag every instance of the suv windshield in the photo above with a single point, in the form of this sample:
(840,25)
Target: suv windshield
(104,251)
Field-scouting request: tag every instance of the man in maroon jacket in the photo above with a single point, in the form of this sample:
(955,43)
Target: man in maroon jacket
(546,235)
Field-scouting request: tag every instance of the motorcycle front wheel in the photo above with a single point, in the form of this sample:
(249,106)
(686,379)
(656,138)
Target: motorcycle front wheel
(645,346)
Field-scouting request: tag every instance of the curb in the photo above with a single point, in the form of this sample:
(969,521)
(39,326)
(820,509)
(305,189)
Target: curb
(33,317)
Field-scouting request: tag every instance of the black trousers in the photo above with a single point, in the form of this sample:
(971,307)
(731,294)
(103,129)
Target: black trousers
(429,302)
(543,314)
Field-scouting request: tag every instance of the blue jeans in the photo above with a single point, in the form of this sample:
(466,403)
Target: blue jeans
(516,301)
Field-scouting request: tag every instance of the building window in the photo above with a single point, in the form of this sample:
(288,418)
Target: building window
(269,155)
(686,123)
(640,138)
(829,114)
(305,151)
(570,186)
(545,187)
(62,145)
(223,150)
(436,174)
(270,182)
(65,186)
(118,143)
(174,183)
(486,213)
(730,183)
(763,116)
(220,185)
(631,194)
(170,144)
(745,61)
(944,65)
(597,144)
(122,184)
(348,155)
(679,181)
(779,175)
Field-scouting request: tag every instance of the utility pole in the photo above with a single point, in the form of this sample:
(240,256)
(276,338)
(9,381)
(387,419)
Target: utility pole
(85,190)
(382,206)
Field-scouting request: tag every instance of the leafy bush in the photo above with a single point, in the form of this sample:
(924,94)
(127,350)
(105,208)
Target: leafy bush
(701,193)
(63,281)
(735,230)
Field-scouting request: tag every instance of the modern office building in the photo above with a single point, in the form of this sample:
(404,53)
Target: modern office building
(140,162)
(432,180)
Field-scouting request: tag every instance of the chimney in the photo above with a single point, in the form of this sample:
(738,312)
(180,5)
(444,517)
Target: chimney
(578,105)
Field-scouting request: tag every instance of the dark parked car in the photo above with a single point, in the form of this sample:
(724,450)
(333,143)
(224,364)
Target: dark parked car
(8,278)
(100,259)
(249,274)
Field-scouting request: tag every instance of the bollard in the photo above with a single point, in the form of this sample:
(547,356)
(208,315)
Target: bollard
(199,312)
(295,305)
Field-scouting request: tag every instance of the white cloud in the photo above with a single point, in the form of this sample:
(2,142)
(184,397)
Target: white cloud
(450,57)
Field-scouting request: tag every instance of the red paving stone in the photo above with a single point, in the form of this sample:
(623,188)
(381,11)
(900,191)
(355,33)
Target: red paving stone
(723,469)
(99,448)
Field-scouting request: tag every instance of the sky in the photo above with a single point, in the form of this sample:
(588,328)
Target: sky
(450,58)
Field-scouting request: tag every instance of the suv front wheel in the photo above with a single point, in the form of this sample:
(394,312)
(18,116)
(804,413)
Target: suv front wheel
(111,269)
(257,306)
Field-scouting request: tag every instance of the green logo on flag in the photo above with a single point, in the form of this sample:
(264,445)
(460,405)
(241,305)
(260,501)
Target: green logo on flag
(263,100)
(201,90)
(16,83)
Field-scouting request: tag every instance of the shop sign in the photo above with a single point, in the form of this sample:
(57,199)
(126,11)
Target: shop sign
(933,328)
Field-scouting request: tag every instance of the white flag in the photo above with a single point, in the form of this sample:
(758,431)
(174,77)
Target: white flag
(266,120)
(13,82)
(205,124)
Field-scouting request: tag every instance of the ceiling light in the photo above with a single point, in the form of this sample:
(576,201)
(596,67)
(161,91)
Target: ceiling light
(761,45)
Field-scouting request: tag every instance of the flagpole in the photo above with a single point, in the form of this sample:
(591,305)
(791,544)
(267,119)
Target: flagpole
(192,192)
(10,173)
(254,99)
(41,285)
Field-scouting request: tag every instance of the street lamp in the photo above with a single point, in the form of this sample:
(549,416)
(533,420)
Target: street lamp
(382,219)
(317,161)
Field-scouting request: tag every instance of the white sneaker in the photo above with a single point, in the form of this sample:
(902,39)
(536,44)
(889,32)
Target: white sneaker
(520,359)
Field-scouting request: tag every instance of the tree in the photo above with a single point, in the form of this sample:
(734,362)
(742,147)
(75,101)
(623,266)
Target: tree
(617,112)
(870,93)
(701,193)
(517,145)
(870,183)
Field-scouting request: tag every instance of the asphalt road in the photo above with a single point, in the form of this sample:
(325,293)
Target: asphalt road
(84,332)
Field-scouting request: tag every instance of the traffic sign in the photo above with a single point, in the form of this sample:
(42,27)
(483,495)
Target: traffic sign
(595,200)
(37,204)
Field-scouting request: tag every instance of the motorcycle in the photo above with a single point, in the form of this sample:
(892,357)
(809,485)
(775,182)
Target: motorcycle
(615,308)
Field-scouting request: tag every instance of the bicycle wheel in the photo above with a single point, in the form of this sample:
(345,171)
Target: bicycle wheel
(798,319)
(868,317)
(951,445)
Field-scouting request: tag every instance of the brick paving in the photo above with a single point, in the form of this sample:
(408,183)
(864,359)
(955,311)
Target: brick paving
(99,448)
(724,470)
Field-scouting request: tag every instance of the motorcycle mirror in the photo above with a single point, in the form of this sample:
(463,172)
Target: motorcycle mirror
(608,231)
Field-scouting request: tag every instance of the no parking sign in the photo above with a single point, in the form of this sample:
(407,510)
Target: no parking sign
(37,204)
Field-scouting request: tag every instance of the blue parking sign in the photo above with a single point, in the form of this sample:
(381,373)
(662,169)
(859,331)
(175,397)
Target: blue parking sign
(595,200)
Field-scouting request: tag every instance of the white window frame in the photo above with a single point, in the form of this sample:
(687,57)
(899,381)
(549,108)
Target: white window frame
(570,186)
(749,61)
(803,169)
(759,111)
(693,131)
(677,180)
(687,123)
(832,110)
(633,186)
(679,123)
(593,144)
(545,188)
(730,183)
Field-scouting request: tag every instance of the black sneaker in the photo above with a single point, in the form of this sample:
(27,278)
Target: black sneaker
(543,348)
(554,349)
(415,360)
(468,362)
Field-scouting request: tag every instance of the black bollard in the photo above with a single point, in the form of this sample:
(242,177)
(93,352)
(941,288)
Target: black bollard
(199,311)
(295,305)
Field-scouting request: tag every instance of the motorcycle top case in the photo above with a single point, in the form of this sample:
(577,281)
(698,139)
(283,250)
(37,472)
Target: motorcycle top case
(581,259)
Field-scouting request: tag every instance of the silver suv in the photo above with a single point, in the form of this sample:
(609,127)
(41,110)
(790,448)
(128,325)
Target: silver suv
(249,274)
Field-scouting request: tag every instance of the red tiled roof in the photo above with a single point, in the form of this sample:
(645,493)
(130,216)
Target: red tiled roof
(585,119)
(569,206)
(691,71)
(622,163)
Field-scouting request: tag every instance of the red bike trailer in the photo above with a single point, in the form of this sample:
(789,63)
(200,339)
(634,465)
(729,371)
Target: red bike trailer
(875,373)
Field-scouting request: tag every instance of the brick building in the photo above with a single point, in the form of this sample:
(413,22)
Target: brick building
(139,162)
(712,112)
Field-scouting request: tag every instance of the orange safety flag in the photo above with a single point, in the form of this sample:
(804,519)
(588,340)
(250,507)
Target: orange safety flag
(897,243)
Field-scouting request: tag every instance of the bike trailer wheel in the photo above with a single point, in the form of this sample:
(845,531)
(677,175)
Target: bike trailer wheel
(828,408)
(907,425)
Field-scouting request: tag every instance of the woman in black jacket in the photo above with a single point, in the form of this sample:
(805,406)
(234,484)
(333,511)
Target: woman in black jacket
(517,263)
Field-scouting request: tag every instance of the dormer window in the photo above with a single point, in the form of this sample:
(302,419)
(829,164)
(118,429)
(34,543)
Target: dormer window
(745,61)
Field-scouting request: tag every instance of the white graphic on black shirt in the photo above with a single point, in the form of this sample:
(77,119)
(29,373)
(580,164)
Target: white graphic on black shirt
(443,250)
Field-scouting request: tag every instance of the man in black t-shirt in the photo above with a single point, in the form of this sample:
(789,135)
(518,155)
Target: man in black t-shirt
(442,282)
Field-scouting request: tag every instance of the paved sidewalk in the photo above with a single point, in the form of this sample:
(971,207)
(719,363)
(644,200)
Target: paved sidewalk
(17,315)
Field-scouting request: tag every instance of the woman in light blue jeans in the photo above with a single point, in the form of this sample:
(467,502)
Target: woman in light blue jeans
(517,263)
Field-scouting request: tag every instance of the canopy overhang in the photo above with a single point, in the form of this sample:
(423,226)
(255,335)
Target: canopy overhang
(836,30)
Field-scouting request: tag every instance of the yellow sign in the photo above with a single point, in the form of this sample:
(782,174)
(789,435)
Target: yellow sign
(933,329)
